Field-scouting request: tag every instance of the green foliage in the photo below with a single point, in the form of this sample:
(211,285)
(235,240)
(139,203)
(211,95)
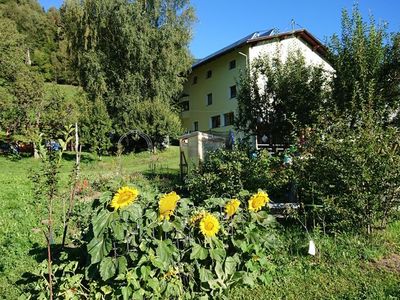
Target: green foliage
(31,21)
(63,107)
(350,164)
(366,61)
(46,189)
(96,128)
(353,172)
(43,38)
(27,106)
(12,54)
(132,254)
(220,174)
(281,98)
(131,54)
(21,88)
(347,265)
(22,108)
(156,118)
(21,245)
(228,172)
(31,107)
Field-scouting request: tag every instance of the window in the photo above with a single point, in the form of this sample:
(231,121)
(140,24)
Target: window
(196,125)
(194,80)
(232,64)
(232,91)
(215,121)
(209,74)
(184,105)
(209,99)
(229,119)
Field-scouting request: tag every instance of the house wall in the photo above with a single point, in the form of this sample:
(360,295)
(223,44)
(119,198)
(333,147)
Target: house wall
(219,85)
(222,78)
(286,46)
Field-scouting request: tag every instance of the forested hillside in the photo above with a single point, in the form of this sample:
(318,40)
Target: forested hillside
(43,38)
(128,60)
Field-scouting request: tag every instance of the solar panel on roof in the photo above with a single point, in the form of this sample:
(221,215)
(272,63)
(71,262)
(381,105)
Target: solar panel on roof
(266,33)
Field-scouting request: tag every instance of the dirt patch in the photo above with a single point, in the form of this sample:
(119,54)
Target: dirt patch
(390,263)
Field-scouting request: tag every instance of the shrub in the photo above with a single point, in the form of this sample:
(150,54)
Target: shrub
(354,173)
(227,172)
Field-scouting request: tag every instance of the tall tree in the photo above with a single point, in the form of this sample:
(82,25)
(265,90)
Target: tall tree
(96,127)
(22,105)
(128,52)
(279,98)
(157,119)
(366,60)
(353,169)
(28,106)
(63,106)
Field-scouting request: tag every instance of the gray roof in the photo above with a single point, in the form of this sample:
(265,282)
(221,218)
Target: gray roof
(246,39)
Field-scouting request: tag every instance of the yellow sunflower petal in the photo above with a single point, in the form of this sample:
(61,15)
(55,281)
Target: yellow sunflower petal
(209,225)
(258,201)
(124,197)
(167,205)
(231,207)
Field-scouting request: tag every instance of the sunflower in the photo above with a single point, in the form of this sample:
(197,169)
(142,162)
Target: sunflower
(124,197)
(231,207)
(197,217)
(209,225)
(257,201)
(167,205)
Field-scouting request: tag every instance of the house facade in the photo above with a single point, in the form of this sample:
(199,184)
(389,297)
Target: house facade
(209,100)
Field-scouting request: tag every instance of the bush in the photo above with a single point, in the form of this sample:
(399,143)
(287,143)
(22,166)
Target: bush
(220,174)
(354,173)
(227,173)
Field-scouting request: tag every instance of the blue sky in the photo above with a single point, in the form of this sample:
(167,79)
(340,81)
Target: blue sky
(221,22)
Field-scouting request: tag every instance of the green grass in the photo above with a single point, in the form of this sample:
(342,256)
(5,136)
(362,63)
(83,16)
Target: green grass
(68,90)
(347,266)
(20,213)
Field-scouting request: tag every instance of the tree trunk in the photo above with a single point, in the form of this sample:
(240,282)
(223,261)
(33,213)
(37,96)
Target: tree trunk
(77,147)
(28,57)
(35,151)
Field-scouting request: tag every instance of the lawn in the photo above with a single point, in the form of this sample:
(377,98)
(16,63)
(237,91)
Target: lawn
(347,266)
(20,213)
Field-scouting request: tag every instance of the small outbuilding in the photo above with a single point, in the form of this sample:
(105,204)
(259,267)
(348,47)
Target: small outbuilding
(194,147)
